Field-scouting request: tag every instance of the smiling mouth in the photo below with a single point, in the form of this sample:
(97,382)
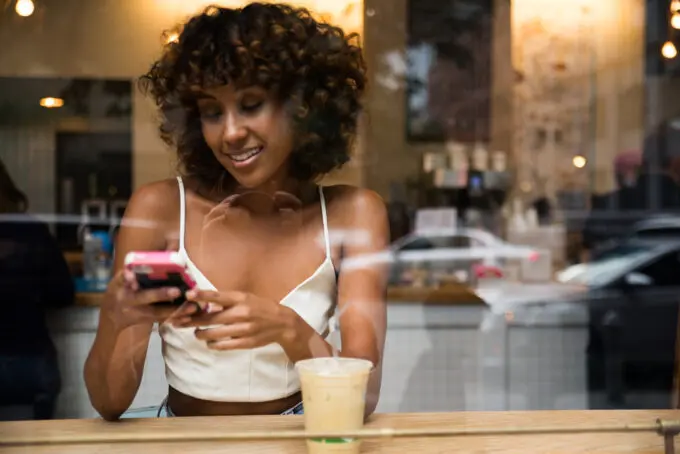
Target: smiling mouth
(246,154)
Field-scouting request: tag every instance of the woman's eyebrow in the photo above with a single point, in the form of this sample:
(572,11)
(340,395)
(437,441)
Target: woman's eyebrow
(202,95)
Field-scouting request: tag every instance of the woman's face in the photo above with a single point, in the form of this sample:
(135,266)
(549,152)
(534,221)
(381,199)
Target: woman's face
(248,132)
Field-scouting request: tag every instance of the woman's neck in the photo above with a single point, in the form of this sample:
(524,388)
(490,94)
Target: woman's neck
(294,191)
(277,185)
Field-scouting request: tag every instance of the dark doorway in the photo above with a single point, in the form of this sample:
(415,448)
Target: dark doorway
(93,169)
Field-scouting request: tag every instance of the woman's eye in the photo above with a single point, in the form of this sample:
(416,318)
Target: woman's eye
(250,106)
(210,113)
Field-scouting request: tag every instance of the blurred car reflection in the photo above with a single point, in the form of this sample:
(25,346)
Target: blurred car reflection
(461,252)
(657,227)
(632,297)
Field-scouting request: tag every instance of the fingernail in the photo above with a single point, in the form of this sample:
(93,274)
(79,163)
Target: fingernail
(174,292)
(191,294)
(211,307)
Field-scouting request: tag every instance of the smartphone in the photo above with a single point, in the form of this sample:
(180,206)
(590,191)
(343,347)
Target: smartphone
(155,269)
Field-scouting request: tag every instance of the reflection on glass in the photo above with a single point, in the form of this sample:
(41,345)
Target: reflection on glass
(449,54)
(609,265)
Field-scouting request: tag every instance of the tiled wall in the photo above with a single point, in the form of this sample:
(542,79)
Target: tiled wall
(446,358)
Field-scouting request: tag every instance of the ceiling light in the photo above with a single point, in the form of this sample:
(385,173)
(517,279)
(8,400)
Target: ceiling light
(675,6)
(579,161)
(24,8)
(51,103)
(170,37)
(668,50)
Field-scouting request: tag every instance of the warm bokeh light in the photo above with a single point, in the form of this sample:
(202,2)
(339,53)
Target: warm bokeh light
(675,21)
(668,50)
(579,162)
(172,37)
(24,8)
(675,6)
(51,102)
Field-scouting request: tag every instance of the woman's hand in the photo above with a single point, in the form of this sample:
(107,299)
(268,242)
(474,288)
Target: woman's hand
(237,320)
(131,306)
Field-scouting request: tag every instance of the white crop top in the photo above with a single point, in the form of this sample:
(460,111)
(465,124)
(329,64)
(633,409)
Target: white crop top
(254,375)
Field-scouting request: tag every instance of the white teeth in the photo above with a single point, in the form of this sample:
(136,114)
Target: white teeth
(244,156)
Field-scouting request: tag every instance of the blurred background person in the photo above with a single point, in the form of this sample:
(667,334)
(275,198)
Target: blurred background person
(610,212)
(34,277)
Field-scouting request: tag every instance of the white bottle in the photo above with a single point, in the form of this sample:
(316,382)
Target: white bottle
(92,249)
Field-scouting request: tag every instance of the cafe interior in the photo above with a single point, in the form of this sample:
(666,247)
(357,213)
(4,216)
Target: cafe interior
(501,134)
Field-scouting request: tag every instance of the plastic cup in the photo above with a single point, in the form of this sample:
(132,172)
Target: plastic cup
(334,399)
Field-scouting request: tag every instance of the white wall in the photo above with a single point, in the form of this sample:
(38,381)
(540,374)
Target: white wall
(28,154)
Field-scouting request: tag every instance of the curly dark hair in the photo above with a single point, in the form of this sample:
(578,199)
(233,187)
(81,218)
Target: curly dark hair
(313,68)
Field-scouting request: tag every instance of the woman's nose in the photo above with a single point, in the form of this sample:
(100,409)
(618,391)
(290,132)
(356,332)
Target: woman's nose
(234,130)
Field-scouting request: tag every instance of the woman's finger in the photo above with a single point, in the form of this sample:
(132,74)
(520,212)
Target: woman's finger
(205,319)
(238,314)
(182,316)
(130,280)
(222,332)
(149,314)
(129,275)
(224,299)
(156,295)
(186,309)
(241,343)
(120,280)
(162,313)
(207,308)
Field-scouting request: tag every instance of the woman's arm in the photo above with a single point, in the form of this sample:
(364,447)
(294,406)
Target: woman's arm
(113,370)
(361,291)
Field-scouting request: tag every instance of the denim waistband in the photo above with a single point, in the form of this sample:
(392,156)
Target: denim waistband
(296,410)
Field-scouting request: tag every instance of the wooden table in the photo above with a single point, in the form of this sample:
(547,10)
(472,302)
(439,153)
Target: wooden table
(609,442)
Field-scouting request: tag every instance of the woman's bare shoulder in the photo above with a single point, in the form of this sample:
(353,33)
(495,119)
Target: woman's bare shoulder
(354,207)
(353,198)
(359,215)
(159,200)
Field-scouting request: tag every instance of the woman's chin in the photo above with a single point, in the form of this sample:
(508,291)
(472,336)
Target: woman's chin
(249,182)
(246,179)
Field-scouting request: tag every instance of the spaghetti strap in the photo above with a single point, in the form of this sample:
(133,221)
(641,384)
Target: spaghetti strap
(324,218)
(182,213)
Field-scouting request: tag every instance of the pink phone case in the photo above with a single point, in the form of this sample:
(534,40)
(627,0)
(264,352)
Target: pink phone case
(155,269)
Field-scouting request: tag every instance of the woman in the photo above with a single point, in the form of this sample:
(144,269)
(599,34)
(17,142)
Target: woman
(34,277)
(259,102)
